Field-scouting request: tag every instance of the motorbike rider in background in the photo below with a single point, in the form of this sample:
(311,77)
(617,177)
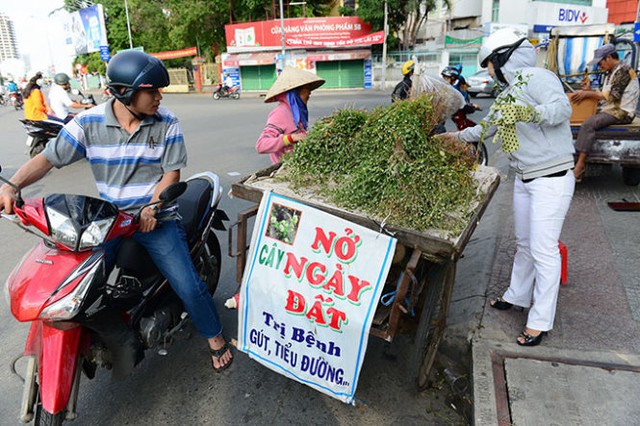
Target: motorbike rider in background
(227,84)
(59,98)
(14,91)
(451,74)
(403,89)
(135,149)
(35,106)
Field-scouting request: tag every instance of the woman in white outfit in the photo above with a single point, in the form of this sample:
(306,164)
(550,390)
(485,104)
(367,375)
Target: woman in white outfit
(535,133)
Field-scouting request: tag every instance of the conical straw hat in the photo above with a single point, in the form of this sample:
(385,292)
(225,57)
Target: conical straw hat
(291,78)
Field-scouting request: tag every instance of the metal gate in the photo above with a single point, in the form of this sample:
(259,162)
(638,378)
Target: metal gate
(341,74)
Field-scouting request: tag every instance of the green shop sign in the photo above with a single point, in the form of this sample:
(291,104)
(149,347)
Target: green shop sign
(462,42)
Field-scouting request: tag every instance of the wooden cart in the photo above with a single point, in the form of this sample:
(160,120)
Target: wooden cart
(422,283)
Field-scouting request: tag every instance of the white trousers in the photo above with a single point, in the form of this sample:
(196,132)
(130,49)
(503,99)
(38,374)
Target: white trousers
(539,209)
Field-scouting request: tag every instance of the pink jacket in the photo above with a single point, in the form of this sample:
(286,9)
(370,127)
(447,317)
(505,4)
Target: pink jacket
(279,123)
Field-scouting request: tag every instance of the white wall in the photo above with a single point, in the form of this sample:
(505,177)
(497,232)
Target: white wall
(465,8)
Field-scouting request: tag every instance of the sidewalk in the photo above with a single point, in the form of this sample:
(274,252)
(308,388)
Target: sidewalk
(586,371)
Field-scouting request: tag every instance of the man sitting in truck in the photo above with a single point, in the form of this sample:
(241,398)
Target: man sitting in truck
(617,101)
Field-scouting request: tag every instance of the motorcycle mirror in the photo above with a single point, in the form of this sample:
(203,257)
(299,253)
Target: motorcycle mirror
(173,191)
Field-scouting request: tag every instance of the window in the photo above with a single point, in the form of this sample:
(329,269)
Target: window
(495,10)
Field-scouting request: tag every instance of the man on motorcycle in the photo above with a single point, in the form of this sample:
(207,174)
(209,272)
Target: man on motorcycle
(135,149)
(59,99)
(14,92)
(452,75)
(227,83)
(403,89)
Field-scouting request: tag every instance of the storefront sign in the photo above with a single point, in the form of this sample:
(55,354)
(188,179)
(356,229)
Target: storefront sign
(309,293)
(569,14)
(301,32)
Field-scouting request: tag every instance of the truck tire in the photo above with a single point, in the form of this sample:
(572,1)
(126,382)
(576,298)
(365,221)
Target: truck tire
(631,176)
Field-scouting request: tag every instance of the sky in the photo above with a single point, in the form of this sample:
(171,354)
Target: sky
(39,36)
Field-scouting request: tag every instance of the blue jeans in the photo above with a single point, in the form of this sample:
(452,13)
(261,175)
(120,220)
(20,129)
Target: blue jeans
(167,246)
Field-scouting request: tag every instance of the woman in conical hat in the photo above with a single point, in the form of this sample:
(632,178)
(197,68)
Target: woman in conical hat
(287,123)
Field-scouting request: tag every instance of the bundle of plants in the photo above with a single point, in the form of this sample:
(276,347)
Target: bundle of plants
(386,165)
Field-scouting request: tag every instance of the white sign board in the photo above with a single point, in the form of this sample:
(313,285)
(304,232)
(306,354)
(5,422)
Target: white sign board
(309,293)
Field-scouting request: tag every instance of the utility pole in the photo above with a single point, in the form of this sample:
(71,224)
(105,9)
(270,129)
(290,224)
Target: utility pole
(282,28)
(126,10)
(384,51)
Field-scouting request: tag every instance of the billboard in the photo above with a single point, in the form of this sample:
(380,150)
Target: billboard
(85,30)
(327,32)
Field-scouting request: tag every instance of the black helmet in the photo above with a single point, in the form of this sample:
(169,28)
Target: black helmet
(450,71)
(61,78)
(135,70)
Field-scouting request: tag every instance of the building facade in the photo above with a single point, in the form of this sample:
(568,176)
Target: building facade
(338,49)
(454,36)
(8,42)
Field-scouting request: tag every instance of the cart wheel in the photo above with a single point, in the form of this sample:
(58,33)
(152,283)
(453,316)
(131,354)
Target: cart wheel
(433,320)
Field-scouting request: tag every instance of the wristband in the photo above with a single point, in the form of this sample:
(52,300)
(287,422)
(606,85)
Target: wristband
(288,140)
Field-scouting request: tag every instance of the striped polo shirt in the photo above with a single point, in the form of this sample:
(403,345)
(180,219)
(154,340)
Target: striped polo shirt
(126,167)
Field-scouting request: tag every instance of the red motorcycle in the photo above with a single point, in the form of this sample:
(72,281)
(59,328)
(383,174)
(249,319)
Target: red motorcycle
(61,286)
(15,99)
(461,121)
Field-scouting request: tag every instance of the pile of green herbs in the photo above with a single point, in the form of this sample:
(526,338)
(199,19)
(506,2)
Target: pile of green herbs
(384,163)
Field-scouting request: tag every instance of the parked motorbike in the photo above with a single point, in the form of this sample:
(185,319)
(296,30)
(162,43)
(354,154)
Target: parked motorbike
(16,101)
(40,133)
(221,92)
(61,287)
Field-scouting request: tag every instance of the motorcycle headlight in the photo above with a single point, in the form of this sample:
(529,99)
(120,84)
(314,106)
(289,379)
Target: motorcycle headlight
(95,233)
(64,231)
(69,306)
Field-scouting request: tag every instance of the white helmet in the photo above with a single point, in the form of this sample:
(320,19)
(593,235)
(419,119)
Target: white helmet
(503,38)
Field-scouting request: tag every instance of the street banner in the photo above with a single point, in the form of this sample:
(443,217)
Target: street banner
(366,40)
(301,32)
(173,54)
(309,294)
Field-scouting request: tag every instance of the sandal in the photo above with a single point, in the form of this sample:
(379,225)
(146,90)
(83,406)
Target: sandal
(529,340)
(500,304)
(218,354)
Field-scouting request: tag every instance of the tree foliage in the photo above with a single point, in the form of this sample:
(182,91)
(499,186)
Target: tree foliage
(405,17)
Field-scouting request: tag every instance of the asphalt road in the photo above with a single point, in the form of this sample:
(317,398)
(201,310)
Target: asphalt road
(180,387)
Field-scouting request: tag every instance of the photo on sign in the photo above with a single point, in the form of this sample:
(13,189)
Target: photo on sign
(283,223)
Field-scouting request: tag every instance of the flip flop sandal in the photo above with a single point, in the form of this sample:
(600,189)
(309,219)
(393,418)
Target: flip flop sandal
(218,354)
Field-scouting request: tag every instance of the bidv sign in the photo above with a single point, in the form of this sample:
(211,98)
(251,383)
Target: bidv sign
(572,15)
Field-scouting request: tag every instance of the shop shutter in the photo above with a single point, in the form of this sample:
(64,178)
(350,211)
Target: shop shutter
(260,77)
(341,74)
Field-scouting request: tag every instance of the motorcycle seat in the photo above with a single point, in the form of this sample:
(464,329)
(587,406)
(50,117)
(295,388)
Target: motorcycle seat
(193,206)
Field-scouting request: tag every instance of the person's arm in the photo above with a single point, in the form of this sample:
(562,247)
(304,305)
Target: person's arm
(619,82)
(31,172)
(148,219)
(69,103)
(274,137)
(581,95)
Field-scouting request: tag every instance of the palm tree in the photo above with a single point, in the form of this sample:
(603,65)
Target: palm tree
(417,12)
